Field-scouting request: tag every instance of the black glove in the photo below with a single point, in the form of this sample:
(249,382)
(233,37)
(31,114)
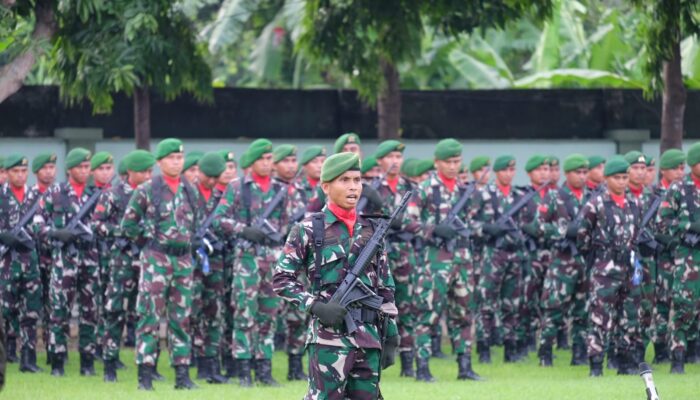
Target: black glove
(396,224)
(445,231)
(330,314)
(494,230)
(254,235)
(663,239)
(572,232)
(63,235)
(374,200)
(389,351)
(530,229)
(695,227)
(9,239)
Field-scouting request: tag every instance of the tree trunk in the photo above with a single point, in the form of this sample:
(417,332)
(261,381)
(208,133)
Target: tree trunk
(673,103)
(142,118)
(389,104)
(12,75)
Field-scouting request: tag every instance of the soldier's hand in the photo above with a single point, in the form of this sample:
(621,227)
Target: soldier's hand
(8,239)
(330,314)
(389,351)
(530,229)
(252,234)
(374,200)
(445,231)
(494,230)
(63,235)
(572,232)
(695,227)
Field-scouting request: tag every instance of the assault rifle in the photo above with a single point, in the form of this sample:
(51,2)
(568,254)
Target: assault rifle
(20,233)
(362,203)
(646,242)
(506,219)
(77,226)
(571,243)
(272,235)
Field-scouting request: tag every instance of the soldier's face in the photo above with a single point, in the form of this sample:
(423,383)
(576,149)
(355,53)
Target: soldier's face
(312,169)
(373,172)
(391,163)
(206,181)
(651,175)
(3,175)
(505,177)
(479,175)
(344,190)
(596,174)
(287,167)
(576,178)
(352,148)
(695,170)
(263,165)
(617,184)
(449,168)
(17,176)
(539,174)
(673,174)
(554,173)
(229,173)
(138,177)
(172,164)
(463,177)
(637,174)
(104,173)
(46,175)
(80,173)
(192,174)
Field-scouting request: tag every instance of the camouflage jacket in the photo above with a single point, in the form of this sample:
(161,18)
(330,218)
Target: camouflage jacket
(410,223)
(110,209)
(338,254)
(559,209)
(679,209)
(608,228)
(489,204)
(59,204)
(11,210)
(175,221)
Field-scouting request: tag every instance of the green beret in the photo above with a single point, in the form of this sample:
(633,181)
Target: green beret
(76,156)
(212,164)
(478,163)
(535,161)
(255,151)
(169,146)
(191,159)
(42,159)
(244,160)
(101,157)
(694,154)
(616,165)
(311,153)
(387,147)
(15,160)
(139,160)
(635,157)
(464,168)
(228,156)
(407,165)
(650,160)
(121,168)
(368,163)
(553,161)
(594,161)
(338,164)
(671,158)
(422,166)
(503,162)
(283,151)
(447,148)
(344,139)
(574,162)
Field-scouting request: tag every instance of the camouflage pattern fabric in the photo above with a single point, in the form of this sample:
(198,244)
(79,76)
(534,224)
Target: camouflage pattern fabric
(338,373)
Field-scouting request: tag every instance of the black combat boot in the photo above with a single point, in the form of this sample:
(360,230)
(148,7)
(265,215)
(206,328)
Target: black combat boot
(57,364)
(484,351)
(530,344)
(145,377)
(130,340)
(182,378)
(280,339)
(245,378)
(625,362)
(691,355)
(436,346)
(230,367)
(596,365)
(464,368)
(263,373)
(87,364)
(98,352)
(118,363)
(578,354)
(202,368)
(27,361)
(423,370)
(562,339)
(510,351)
(110,371)
(296,368)
(11,350)
(545,355)
(407,364)
(660,353)
(155,375)
(214,370)
(612,358)
(678,361)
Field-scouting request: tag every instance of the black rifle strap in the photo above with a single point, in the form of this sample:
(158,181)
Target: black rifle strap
(494,203)
(245,198)
(568,203)
(157,193)
(318,229)
(436,203)
(690,189)
(609,218)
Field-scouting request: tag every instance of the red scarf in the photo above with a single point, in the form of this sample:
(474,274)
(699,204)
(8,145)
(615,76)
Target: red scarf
(636,191)
(664,183)
(42,188)
(577,192)
(132,184)
(450,183)
(205,192)
(312,182)
(172,182)
(696,180)
(504,189)
(619,199)
(393,183)
(77,187)
(543,191)
(348,217)
(262,181)
(18,192)
(591,185)
(102,185)
(221,187)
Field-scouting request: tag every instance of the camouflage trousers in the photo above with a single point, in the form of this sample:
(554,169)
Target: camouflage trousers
(338,373)
(499,288)
(402,263)
(648,298)
(256,306)
(452,292)
(614,306)
(663,296)
(295,323)
(207,308)
(229,305)
(104,261)
(533,281)
(120,297)
(20,284)
(165,287)
(685,307)
(565,291)
(74,275)
(45,262)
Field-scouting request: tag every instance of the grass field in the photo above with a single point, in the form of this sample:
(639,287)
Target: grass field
(524,380)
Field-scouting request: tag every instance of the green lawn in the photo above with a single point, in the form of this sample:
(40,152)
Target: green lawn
(514,381)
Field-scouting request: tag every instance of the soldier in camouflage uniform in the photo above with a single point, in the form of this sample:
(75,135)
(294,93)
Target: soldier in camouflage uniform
(256,304)
(20,282)
(341,365)
(163,215)
(446,283)
(190,171)
(565,285)
(554,172)
(74,271)
(123,254)
(679,217)
(609,227)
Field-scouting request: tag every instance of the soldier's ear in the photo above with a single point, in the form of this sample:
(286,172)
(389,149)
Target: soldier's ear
(325,186)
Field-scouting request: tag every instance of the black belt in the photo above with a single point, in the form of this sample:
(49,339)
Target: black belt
(177,251)
(364,315)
